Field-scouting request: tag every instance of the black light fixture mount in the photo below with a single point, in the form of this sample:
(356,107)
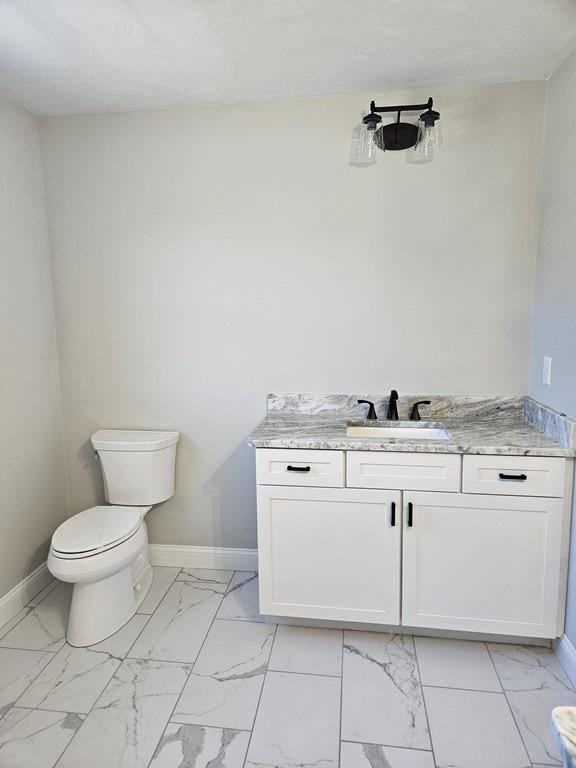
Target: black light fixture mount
(398,135)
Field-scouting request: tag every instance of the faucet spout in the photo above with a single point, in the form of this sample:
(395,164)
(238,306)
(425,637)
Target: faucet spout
(392,413)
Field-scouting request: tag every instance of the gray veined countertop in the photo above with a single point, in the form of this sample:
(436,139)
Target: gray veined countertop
(512,426)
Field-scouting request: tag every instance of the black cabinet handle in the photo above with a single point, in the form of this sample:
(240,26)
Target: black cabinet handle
(410,514)
(393,514)
(504,476)
(290,468)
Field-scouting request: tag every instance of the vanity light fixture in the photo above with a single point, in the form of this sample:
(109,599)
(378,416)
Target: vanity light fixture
(421,138)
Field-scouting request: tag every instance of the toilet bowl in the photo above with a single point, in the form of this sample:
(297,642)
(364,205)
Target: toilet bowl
(103,550)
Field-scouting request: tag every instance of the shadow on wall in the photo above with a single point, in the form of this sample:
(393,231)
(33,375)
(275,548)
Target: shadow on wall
(91,468)
(232,489)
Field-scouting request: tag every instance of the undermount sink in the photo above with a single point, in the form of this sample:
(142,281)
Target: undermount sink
(400,430)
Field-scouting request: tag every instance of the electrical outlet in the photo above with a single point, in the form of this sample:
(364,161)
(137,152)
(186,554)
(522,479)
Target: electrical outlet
(547,371)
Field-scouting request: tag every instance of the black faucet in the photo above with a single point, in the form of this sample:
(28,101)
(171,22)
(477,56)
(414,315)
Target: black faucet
(371,410)
(415,414)
(392,413)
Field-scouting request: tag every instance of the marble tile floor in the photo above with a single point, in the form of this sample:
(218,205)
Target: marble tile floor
(197,679)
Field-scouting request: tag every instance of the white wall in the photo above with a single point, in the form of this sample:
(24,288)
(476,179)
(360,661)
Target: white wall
(31,452)
(205,257)
(554,330)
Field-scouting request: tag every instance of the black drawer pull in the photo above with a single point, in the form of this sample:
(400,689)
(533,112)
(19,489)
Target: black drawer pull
(504,476)
(290,468)
(393,514)
(410,514)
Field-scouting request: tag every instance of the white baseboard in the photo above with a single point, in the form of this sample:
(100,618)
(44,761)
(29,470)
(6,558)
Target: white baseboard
(566,654)
(23,592)
(204,557)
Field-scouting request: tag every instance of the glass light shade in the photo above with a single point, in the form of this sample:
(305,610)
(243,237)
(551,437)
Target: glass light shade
(363,150)
(427,145)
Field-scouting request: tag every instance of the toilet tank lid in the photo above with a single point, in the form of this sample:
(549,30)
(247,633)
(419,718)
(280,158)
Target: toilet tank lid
(133,440)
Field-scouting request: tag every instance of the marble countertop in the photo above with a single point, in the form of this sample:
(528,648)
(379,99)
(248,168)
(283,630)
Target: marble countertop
(498,428)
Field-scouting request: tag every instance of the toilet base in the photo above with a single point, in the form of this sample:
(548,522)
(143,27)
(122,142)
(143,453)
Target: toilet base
(100,608)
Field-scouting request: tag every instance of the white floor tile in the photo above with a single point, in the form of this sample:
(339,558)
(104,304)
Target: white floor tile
(17,670)
(375,756)
(473,729)
(195,746)
(535,683)
(71,682)
(161,582)
(16,619)
(177,629)
(207,577)
(307,649)
(127,722)
(44,627)
(37,599)
(75,677)
(297,722)
(34,739)
(382,700)
(225,685)
(241,600)
(528,668)
(456,664)
(120,642)
(533,711)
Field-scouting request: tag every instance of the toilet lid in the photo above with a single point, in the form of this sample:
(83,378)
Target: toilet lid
(97,528)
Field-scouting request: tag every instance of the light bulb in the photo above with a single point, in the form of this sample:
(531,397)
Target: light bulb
(363,150)
(429,141)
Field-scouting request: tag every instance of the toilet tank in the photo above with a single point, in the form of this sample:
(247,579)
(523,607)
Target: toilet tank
(137,465)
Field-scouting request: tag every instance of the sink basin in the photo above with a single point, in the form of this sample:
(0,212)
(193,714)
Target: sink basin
(400,430)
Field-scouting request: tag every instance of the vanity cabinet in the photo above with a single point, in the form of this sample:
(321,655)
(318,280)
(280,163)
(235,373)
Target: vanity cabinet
(419,544)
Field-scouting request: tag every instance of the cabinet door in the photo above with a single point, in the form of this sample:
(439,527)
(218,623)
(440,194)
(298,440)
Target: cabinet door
(327,553)
(482,563)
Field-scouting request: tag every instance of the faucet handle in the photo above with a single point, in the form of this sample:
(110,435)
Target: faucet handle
(392,412)
(371,410)
(415,413)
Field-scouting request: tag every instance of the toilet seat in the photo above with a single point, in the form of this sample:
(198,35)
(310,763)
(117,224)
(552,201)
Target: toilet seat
(96,530)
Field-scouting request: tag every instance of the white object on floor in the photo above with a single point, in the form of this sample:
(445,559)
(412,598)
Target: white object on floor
(564,723)
(103,550)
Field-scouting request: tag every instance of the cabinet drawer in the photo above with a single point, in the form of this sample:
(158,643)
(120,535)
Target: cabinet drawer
(292,466)
(403,471)
(514,475)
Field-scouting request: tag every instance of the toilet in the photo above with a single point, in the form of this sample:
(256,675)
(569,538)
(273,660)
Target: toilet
(103,550)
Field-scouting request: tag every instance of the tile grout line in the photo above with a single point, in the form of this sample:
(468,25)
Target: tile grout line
(389,746)
(192,664)
(424,700)
(464,690)
(259,700)
(509,705)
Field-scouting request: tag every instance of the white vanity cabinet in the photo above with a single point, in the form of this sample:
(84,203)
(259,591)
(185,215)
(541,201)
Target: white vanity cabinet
(420,545)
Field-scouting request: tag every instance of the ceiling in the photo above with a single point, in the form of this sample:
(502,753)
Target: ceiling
(73,56)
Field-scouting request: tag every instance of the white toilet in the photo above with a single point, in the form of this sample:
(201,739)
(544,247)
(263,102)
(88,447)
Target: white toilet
(103,551)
